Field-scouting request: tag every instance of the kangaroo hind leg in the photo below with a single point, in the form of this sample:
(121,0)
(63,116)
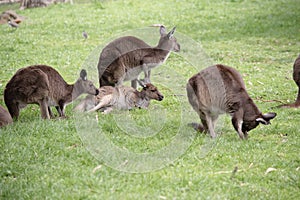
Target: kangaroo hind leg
(104,102)
(44,108)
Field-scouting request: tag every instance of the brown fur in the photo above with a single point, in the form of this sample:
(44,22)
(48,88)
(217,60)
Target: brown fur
(43,85)
(296,77)
(125,58)
(220,89)
(5,117)
(120,97)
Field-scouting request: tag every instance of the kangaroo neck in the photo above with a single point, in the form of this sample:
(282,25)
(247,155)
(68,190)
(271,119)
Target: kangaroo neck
(75,91)
(250,109)
(162,49)
(142,100)
(159,55)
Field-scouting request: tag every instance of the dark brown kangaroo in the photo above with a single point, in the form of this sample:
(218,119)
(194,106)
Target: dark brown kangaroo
(296,77)
(220,89)
(5,117)
(43,85)
(125,58)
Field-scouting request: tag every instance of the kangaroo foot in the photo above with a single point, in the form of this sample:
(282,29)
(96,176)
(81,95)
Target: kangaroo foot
(197,127)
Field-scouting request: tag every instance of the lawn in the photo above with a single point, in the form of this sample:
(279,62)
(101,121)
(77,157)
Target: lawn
(153,154)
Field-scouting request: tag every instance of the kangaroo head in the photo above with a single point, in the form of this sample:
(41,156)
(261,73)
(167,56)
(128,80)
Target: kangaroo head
(83,85)
(151,92)
(253,123)
(167,41)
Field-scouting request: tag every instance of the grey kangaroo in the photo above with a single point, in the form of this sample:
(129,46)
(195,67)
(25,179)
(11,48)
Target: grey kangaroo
(120,97)
(220,89)
(43,85)
(125,58)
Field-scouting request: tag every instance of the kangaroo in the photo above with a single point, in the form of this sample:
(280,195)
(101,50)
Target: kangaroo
(120,97)
(296,77)
(125,58)
(220,89)
(5,117)
(43,85)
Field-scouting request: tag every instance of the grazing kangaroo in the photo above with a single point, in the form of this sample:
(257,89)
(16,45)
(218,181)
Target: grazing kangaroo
(125,58)
(120,97)
(43,85)
(5,117)
(220,89)
(296,77)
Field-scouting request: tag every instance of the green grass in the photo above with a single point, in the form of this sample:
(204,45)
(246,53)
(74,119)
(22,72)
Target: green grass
(68,159)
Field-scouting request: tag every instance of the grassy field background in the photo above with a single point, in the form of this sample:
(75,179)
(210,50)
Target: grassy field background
(54,159)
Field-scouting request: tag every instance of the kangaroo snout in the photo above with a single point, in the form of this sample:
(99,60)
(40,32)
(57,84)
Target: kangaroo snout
(177,48)
(97,92)
(160,97)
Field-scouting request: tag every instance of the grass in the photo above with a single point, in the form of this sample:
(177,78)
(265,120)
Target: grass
(68,159)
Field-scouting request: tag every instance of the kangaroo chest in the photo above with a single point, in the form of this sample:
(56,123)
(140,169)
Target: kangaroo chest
(125,99)
(133,73)
(144,64)
(52,102)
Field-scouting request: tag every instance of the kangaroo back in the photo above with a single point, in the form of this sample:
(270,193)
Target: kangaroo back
(58,87)
(217,88)
(27,86)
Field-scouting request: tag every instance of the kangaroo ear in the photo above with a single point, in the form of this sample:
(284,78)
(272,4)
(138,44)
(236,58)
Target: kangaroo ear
(171,33)
(261,120)
(83,75)
(141,83)
(162,30)
(269,116)
(265,119)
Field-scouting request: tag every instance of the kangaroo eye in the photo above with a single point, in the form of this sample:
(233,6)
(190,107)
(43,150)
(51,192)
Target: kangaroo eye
(153,90)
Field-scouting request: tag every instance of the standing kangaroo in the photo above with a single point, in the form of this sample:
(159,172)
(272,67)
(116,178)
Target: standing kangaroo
(296,77)
(5,117)
(220,89)
(120,97)
(43,85)
(125,58)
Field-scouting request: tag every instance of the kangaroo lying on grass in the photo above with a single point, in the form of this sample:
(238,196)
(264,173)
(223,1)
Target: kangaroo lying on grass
(220,89)
(296,77)
(120,97)
(43,85)
(125,58)
(5,117)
